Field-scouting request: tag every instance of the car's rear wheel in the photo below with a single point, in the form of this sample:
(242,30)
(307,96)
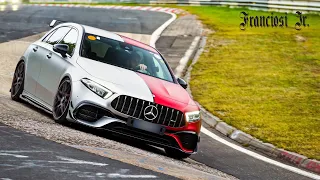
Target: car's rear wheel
(17,82)
(174,153)
(61,101)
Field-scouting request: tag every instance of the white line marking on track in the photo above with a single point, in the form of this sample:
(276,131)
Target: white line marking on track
(156,34)
(258,156)
(127,18)
(14,155)
(122,174)
(184,60)
(117,175)
(21,151)
(76,161)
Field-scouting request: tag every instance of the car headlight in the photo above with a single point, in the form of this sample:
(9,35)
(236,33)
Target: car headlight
(193,116)
(97,88)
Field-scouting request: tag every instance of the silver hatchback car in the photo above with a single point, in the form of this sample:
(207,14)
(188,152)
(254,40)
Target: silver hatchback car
(104,80)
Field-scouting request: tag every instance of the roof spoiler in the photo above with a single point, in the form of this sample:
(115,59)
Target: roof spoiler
(55,22)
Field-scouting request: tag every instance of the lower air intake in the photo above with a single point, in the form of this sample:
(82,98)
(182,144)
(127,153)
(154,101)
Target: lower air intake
(91,113)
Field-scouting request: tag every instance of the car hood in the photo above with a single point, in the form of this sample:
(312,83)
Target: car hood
(117,79)
(137,84)
(163,90)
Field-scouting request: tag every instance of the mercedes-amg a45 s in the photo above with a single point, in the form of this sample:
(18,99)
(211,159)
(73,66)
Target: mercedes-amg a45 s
(104,80)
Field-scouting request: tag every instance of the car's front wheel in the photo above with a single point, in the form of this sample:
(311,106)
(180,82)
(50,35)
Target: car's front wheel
(17,82)
(61,101)
(174,153)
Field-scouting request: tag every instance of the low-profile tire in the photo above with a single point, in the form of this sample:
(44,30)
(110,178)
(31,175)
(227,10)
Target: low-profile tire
(176,154)
(18,81)
(62,101)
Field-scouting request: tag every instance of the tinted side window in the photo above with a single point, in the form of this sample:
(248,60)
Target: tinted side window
(48,36)
(59,33)
(70,39)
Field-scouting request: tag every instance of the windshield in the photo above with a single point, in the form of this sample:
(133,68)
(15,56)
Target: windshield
(124,55)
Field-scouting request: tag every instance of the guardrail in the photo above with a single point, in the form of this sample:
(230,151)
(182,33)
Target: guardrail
(277,5)
(260,4)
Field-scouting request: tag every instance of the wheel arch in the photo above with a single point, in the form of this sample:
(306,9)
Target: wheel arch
(22,59)
(62,118)
(65,77)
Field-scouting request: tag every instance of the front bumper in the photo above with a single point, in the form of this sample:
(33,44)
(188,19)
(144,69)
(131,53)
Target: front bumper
(89,109)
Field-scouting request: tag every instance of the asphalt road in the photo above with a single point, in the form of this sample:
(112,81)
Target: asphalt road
(25,156)
(28,20)
(33,20)
(240,165)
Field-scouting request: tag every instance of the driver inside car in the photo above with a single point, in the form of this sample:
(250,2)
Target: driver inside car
(135,62)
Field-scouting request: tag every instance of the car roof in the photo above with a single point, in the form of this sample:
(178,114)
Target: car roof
(114,36)
(101,32)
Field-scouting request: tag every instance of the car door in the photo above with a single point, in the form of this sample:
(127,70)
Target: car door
(33,65)
(54,66)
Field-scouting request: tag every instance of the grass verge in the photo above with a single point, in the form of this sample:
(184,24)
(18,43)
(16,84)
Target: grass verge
(263,81)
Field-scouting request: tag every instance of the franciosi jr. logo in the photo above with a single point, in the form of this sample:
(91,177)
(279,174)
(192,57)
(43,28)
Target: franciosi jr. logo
(271,21)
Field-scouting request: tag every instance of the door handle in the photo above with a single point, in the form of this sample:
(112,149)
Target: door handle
(35,49)
(49,55)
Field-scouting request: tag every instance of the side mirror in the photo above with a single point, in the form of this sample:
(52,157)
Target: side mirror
(53,23)
(182,83)
(61,48)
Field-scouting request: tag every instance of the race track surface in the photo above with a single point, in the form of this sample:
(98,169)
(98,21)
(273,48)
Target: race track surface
(27,21)
(238,164)
(25,156)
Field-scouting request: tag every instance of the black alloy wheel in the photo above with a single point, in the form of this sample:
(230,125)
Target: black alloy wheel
(61,101)
(18,82)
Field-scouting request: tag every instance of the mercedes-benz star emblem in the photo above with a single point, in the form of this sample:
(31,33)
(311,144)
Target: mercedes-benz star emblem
(150,112)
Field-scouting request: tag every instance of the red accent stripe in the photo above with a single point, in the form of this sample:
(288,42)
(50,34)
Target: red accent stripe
(138,44)
(179,143)
(169,94)
(195,127)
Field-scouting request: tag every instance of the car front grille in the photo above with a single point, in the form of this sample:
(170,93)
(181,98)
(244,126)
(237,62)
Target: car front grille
(91,113)
(135,107)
